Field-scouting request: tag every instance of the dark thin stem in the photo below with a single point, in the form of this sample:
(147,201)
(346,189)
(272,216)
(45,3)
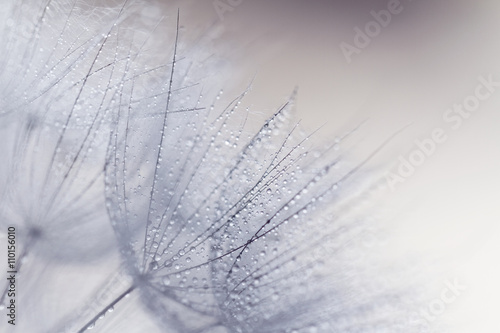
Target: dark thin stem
(109,306)
(160,145)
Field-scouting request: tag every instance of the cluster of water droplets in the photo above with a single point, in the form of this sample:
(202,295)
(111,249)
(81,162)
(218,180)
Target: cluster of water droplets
(224,224)
(62,64)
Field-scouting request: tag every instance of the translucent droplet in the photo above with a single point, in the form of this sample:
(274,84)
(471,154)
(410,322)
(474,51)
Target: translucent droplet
(166,281)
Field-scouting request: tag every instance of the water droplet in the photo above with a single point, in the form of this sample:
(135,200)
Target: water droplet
(166,281)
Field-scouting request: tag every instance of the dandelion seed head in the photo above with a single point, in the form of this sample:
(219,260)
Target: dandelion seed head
(223,223)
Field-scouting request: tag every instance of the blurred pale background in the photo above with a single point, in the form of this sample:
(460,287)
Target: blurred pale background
(427,58)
